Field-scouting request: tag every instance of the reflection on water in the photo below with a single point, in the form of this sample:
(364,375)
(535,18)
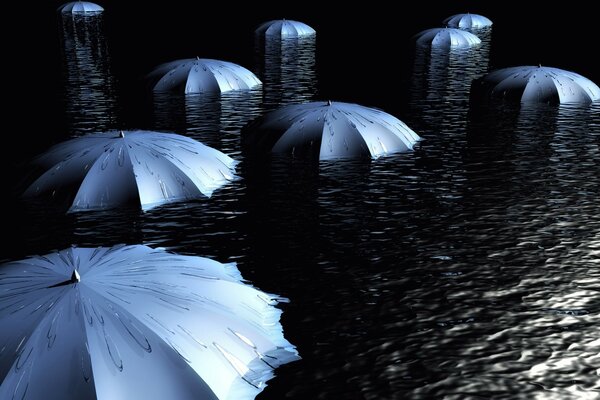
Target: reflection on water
(440,73)
(213,119)
(287,68)
(89,89)
(468,268)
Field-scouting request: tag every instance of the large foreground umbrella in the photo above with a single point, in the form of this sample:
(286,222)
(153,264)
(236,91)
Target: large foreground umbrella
(468,21)
(147,168)
(201,75)
(131,322)
(530,84)
(447,38)
(283,28)
(80,7)
(329,130)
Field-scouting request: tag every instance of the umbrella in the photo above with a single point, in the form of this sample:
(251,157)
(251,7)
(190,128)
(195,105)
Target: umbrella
(285,29)
(531,84)
(132,322)
(447,38)
(331,130)
(147,168)
(202,75)
(468,21)
(80,7)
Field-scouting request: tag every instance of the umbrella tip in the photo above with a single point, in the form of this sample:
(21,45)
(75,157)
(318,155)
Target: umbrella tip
(121,134)
(197,58)
(328,102)
(75,278)
(539,65)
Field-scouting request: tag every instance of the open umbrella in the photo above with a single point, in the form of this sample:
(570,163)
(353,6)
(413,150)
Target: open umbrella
(284,28)
(80,7)
(468,21)
(132,322)
(531,84)
(201,75)
(447,38)
(329,130)
(142,167)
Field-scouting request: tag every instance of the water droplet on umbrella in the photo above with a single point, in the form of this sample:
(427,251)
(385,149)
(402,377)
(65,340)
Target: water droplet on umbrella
(113,351)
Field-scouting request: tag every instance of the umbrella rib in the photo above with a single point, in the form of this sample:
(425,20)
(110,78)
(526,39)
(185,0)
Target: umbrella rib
(208,71)
(356,130)
(556,77)
(298,120)
(99,160)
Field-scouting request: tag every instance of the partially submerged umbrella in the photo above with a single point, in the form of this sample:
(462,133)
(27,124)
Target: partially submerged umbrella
(132,322)
(284,28)
(329,130)
(202,75)
(468,21)
(142,167)
(531,84)
(447,38)
(80,7)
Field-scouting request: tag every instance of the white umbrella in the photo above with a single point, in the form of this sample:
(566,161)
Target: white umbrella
(202,75)
(80,7)
(531,84)
(468,21)
(447,38)
(284,28)
(148,168)
(330,130)
(132,322)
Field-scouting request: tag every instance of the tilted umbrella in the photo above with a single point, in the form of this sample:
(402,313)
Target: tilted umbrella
(329,130)
(80,7)
(531,84)
(468,21)
(283,28)
(202,75)
(132,322)
(447,38)
(142,167)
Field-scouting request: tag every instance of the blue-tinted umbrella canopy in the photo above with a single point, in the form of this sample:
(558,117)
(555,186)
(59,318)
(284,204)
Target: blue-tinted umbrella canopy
(80,7)
(283,28)
(531,84)
(468,21)
(329,130)
(201,75)
(447,38)
(140,167)
(132,322)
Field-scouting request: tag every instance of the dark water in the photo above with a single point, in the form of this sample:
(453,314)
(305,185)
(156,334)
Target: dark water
(467,269)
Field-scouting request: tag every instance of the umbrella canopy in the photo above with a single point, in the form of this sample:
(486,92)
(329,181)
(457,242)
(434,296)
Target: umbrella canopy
(148,168)
(80,7)
(329,130)
(202,75)
(447,38)
(468,21)
(284,28)
(132,322)
(531,84)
